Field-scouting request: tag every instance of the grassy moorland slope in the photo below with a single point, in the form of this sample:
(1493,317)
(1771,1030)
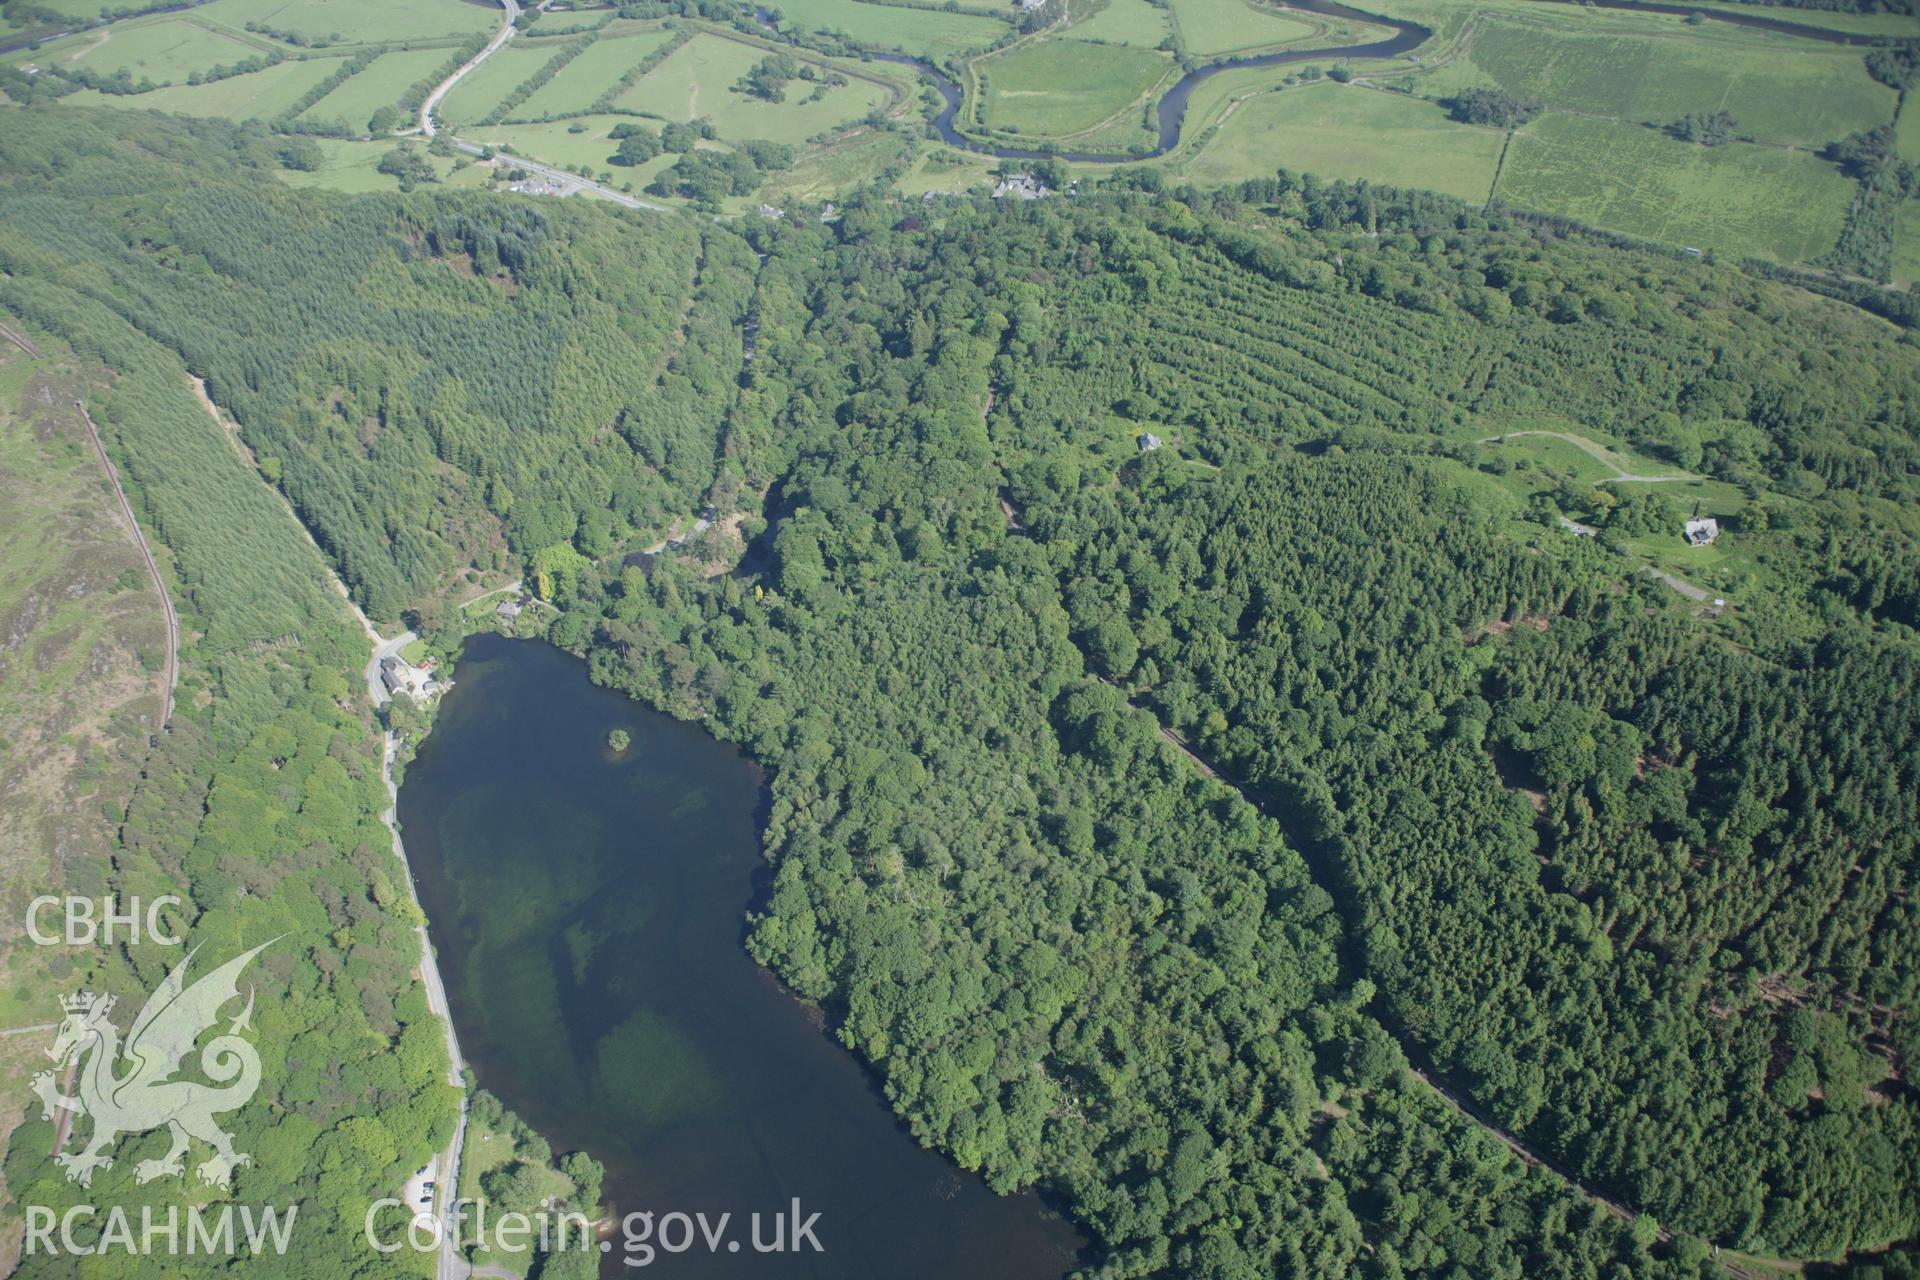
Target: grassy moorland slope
(78,690)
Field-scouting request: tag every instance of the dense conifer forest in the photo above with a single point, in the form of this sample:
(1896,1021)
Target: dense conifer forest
(1176,829)
(260,808)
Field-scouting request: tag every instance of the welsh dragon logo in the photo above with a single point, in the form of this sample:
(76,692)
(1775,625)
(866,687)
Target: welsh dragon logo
(147,1095)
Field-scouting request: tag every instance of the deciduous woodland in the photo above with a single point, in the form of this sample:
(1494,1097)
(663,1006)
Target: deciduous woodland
(1465,800)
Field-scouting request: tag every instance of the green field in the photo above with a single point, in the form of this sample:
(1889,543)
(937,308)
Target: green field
(1901,25)
(1210,27)
(1058,87)
(164,50)
(826,173)
(557,144)
(259,95)
(1779,89)
(1449,18)
(1084,84)
(359,21)
(591,74)
(1587,457)
(1133,22)
(487,85)
(86,10)
(380,85)
(354,167)
(697,80)
(1737,199)
(921,32)
(1907,132)
(1344,131)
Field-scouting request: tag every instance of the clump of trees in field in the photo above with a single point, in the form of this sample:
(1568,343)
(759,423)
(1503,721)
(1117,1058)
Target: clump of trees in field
(1493,107)
(768,78)
(1708,128)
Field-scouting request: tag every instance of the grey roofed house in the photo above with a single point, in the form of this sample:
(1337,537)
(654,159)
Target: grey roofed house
(1024,186)
(1147,441)
(508,610)
(1702,531)
(399,676)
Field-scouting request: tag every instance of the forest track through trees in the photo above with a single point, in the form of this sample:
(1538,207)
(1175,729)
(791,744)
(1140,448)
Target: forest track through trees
(171,678)
(1422,1071)
(21,341)
(172,672)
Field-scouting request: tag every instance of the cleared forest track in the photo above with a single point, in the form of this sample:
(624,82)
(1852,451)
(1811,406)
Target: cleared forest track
(26,344)
(1455,1102)
(21,341)
(153,569)
(1600,453)
(231,430)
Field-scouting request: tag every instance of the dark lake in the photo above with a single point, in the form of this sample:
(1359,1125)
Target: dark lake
(588,909)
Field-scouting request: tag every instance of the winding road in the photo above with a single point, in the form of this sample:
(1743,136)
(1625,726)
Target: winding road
(507,32)
(568,182)
(451,1266)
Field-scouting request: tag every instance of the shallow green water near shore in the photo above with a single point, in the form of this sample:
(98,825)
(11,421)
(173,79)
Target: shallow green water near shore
(588,909)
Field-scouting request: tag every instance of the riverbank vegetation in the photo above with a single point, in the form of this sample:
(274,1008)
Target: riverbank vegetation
(1169,827)
(512,1169)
